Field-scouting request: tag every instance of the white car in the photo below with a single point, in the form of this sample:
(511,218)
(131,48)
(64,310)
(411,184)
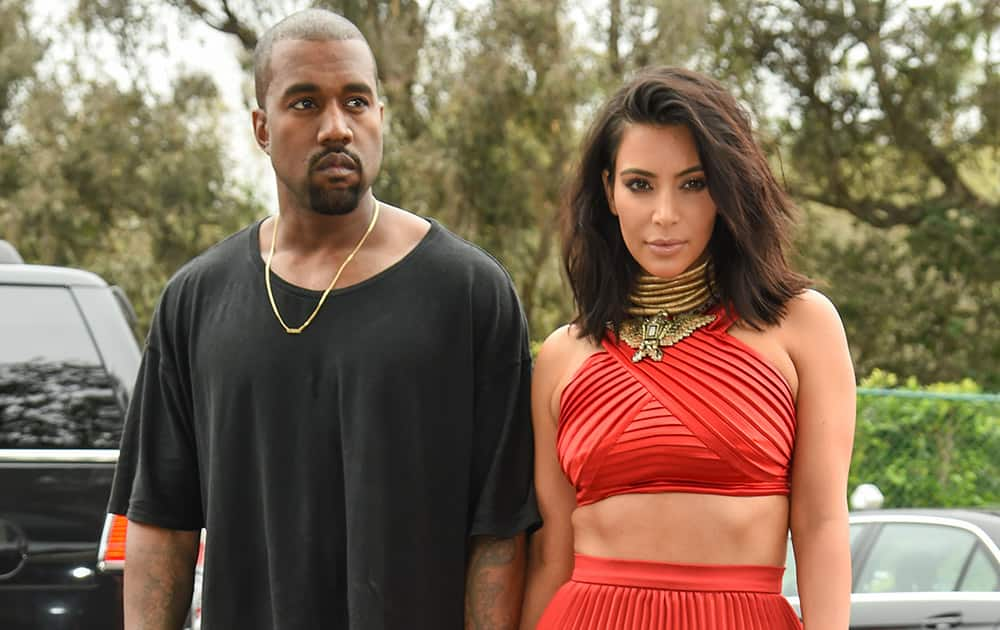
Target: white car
(921,568)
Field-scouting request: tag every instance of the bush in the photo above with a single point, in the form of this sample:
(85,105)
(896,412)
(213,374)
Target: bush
(927,451)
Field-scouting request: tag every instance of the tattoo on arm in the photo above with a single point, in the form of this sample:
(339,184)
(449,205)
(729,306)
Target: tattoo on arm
(494,583)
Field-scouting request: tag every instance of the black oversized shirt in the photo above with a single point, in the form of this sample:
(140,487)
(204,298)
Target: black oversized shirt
(339,473)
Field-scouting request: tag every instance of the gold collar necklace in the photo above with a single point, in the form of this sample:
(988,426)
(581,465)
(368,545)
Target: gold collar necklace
(322,299)
(665,311)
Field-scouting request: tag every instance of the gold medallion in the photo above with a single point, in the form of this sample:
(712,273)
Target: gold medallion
(647,335)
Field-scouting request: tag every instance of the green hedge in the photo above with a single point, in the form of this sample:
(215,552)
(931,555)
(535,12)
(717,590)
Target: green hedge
(927,451)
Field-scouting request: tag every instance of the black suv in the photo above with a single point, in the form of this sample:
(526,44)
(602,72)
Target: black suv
(68,360)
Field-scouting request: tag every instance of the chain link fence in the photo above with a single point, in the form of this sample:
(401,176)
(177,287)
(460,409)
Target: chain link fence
(927,446)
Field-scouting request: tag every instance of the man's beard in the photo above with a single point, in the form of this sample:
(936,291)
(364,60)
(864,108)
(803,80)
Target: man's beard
(334,202)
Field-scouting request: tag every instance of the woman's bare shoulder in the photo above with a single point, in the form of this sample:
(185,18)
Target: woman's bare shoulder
(561,355)
(811,310)
(812,324)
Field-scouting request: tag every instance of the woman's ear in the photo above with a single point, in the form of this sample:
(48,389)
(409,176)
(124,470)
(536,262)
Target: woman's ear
(609,190)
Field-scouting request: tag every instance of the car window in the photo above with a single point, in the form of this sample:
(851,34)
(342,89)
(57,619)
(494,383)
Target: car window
(789,586)
(54,389)
(916,557)
(982,573)
(855,534)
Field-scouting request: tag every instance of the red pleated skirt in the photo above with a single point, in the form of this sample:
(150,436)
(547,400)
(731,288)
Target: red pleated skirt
(608,593)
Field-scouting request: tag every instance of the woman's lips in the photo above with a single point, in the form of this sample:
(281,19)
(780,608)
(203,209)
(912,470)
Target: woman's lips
(665,246)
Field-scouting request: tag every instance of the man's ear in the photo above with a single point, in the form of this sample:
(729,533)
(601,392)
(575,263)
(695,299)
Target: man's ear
(260,132)
(609,190)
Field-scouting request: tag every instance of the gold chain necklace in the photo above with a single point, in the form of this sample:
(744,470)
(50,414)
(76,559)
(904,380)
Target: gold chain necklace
(667,311)
(322,299)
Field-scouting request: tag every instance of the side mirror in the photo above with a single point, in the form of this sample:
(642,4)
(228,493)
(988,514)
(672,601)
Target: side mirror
(867,496)
(9,253)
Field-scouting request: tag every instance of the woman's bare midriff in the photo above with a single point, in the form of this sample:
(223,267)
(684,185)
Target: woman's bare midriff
(682,527)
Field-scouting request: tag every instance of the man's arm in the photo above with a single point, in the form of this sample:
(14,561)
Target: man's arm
(159,576)
(494,583)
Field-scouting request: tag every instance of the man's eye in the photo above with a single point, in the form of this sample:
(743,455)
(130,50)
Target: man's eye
(357,103)
(638,185)
(303,103)
(695,183)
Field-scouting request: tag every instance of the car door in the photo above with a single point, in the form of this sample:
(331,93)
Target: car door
(927,574)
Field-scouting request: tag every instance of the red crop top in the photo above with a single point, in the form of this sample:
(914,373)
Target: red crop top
(712,417)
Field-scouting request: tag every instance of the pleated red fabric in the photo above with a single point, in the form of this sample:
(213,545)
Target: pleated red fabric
(712,417)
(614,594)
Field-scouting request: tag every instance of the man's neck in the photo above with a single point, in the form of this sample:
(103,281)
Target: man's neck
(306,231)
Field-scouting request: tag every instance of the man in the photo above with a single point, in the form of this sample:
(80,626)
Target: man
(339,397)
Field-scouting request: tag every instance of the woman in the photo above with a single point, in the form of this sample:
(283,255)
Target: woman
(701,404)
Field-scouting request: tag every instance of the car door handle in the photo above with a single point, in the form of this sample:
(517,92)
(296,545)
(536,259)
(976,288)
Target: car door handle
(943,621)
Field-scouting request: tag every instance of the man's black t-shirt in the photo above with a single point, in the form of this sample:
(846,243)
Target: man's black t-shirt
(339,473)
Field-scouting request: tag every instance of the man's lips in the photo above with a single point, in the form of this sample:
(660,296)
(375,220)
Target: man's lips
(336,164)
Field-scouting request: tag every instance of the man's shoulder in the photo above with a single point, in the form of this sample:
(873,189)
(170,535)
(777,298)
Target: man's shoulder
(218,262)
(461,255)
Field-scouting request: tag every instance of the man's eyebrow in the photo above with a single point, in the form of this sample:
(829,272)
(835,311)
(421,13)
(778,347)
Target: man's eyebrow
(359,88)
(300,88)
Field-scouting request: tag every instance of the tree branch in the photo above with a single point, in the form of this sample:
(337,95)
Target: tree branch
(231,24)
(877,212)
(904,131)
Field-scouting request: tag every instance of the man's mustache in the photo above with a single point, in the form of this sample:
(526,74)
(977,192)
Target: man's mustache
(335,156)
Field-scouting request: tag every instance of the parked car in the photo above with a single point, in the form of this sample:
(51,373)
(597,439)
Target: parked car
(68,359)
(921,568)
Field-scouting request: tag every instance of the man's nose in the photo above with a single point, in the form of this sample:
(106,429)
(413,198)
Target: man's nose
(334,127)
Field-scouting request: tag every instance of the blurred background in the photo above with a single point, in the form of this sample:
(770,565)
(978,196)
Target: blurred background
(125,149)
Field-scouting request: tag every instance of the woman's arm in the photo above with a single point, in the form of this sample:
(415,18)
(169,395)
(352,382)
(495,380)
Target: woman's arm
(550,549)
(825,408)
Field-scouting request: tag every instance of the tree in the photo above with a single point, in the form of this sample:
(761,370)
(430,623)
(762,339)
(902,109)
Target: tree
(493,178)
(120,180)
(20,51)
(891,113)
(881,116)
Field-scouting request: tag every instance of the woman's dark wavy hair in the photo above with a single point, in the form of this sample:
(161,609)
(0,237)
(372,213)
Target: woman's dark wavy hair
(751,234)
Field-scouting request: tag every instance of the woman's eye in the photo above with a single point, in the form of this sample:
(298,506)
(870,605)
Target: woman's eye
(638,185)
(695,183)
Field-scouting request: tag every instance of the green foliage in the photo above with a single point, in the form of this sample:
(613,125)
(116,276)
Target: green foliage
(926,451)
(125,184)
(883,117)
(887,114)
(19,52)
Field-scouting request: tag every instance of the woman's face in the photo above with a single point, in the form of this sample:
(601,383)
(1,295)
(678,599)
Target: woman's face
(659,194)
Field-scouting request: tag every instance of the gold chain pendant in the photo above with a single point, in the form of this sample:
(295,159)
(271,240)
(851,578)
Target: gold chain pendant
(267,273)
(648,335)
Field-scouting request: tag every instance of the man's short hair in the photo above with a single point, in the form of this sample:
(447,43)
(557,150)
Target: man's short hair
(316,25)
